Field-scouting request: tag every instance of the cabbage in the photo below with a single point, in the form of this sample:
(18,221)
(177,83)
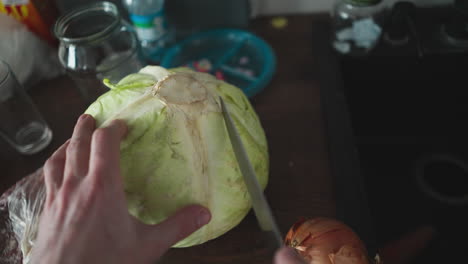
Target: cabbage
(177,151)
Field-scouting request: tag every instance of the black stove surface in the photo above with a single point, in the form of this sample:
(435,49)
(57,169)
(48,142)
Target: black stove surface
(409,116)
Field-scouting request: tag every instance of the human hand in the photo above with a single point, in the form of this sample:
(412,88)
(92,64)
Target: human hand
(85,217)
(287,255)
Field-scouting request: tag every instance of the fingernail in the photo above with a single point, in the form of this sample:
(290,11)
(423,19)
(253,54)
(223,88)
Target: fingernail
(292,253)
(204,217)
(83,116)
(121,125)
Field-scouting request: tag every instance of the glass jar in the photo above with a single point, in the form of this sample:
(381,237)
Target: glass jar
(357,25)
(97,44)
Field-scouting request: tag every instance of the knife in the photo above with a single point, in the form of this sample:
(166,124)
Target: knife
(259,203)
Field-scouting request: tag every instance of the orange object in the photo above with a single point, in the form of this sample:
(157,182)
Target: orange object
(37,15)
(324,240)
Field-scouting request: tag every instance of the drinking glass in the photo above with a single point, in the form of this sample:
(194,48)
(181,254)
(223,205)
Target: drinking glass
(21,124)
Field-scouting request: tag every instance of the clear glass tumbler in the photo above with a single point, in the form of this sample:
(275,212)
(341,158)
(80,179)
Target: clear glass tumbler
(21,124)
(97,44)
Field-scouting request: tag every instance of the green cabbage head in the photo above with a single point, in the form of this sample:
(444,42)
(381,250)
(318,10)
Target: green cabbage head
(177,151)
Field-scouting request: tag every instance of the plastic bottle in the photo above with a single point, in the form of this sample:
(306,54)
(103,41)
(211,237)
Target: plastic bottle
(150,23)
(358,25)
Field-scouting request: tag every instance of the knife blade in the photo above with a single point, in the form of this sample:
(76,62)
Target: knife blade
(259,203)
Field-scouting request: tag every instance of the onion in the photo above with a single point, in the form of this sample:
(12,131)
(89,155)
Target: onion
(327,241)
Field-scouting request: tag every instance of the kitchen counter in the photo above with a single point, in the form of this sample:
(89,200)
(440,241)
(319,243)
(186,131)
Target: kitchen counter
(306,157)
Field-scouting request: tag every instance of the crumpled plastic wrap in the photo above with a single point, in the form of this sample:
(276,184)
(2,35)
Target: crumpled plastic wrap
(20,209)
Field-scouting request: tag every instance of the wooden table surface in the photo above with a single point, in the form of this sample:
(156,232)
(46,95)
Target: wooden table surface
(300,182)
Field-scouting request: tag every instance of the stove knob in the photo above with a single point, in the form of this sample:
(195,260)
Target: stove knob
(461,7)
(456,29)
(397,29)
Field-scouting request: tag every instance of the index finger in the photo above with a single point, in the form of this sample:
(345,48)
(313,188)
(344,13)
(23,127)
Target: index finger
(105,149)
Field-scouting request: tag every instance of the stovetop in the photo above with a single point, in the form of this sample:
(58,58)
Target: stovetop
(408,107)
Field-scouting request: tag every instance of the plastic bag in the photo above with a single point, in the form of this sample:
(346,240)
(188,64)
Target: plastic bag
(30,58)
(20,209)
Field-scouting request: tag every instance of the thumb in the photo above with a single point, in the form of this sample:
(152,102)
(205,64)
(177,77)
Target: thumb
(287,255)
(159,238)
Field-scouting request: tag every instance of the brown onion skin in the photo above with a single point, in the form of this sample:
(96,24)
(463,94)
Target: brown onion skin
(326,241)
